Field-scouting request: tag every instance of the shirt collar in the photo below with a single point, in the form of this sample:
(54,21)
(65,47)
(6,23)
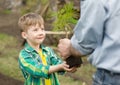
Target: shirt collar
(28,48)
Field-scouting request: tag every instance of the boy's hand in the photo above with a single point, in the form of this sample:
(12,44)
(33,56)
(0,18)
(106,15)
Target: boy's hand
(73,69)
(66,67)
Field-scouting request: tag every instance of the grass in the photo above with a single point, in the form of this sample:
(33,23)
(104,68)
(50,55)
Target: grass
(8,56)
(9,50)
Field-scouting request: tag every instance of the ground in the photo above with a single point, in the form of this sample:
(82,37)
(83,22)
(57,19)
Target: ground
(5,80)
(8,25)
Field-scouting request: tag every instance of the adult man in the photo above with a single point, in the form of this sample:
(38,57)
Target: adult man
(97,35)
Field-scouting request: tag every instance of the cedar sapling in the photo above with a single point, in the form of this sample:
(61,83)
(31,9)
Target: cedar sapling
(65,17)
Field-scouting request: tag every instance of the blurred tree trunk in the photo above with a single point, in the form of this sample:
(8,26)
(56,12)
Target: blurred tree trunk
(12,4)
(61,3)
(53,5)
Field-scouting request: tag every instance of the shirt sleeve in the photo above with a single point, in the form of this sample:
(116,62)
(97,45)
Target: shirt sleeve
(89,30)
(55,59)
(30,66)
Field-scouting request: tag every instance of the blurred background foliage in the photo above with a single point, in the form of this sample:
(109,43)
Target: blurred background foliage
(63,13)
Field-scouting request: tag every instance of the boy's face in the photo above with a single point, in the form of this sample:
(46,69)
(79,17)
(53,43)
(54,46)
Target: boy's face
(35,34)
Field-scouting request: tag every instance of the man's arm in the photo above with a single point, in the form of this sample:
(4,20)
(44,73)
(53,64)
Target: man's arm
(66,49)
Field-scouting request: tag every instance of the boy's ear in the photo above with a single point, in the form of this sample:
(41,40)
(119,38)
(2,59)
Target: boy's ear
(23,35)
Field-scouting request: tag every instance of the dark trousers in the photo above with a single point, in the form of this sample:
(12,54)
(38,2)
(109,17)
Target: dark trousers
(105,77)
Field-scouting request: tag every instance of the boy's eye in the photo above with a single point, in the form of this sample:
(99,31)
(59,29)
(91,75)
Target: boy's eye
(35,29)
(42,28)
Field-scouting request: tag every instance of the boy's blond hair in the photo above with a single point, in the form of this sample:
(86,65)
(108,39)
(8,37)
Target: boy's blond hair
(30,19)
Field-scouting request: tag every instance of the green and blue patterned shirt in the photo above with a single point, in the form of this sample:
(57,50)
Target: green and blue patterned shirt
(32,67)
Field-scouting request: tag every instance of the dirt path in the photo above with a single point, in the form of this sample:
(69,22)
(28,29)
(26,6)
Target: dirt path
(5,80)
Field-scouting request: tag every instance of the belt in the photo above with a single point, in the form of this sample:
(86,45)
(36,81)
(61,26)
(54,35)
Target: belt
(109,72)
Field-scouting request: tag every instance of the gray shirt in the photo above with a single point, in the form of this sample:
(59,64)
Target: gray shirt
(97,33)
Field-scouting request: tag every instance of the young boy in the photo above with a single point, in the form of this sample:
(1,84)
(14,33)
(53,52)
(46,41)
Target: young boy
(37,62)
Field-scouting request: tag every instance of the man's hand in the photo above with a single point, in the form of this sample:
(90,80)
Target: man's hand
(69,54)
(64,47)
